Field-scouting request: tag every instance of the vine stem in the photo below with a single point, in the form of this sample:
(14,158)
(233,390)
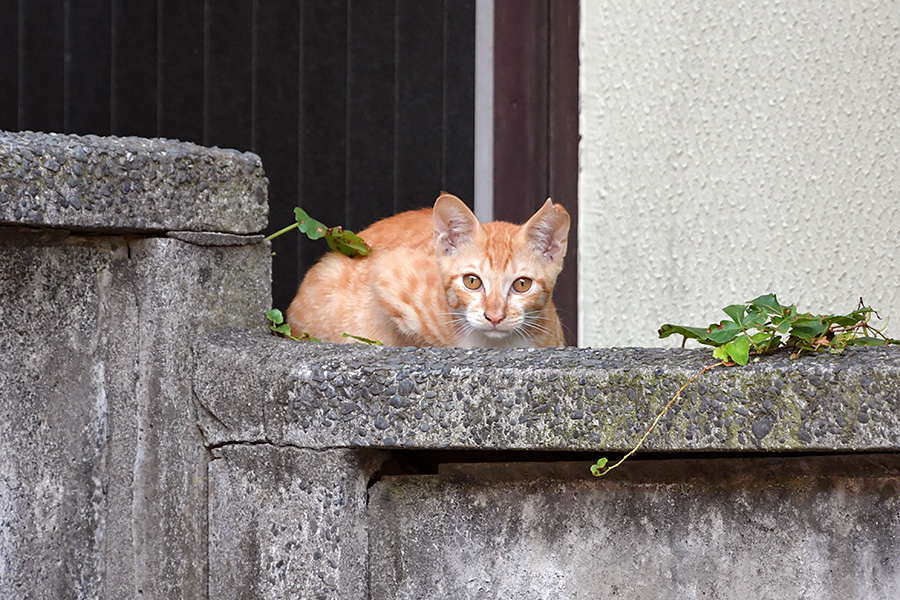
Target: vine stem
(660,415)
(285,230)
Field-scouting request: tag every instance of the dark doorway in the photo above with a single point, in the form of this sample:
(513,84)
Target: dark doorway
(358,109)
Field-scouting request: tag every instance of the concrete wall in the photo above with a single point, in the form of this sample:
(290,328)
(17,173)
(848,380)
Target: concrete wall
(732,149)
(701,528)
(156,441)
(298,430)
(102,467)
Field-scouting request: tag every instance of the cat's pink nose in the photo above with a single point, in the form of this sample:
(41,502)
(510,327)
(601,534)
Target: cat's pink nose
(494,318)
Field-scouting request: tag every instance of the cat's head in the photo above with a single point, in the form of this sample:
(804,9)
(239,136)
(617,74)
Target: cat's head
(498,276)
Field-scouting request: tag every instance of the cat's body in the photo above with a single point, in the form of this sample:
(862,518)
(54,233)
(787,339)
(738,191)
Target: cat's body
(437,277)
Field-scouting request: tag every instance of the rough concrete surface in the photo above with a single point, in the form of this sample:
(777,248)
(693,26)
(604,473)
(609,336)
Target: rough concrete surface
(102,467)
(288,523)
(255,387)
(129,184)
(212,238)
(184,290)
(157,442)
(808,528)
(65,413)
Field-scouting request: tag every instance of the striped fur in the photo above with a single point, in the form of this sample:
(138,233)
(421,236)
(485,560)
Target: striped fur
(410,291)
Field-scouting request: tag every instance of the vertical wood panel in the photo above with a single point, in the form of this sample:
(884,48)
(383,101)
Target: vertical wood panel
(228,74)
(88,59)
(536,123)
(276,121)
(459,99)
(181,70)
(134,69)
(324,117)
(520,108)
(370,113)
(43,66)
(419,141)
(9,65)
(563,147)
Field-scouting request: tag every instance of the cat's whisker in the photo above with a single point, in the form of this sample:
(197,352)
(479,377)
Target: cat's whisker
(540,317)
(525,335)
(531,325)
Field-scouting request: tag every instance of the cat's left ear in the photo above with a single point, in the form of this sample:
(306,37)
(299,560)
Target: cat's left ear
(454,224)
(548,231)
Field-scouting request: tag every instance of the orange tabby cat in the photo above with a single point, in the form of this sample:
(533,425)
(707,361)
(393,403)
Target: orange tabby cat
(438,277)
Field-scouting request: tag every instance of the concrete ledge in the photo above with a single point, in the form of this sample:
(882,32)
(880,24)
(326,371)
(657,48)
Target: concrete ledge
(128,184)
(252,387)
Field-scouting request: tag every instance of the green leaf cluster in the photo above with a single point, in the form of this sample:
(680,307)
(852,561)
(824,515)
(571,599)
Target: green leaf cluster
(599,467)
(277,324)
(763,325)
(338,239)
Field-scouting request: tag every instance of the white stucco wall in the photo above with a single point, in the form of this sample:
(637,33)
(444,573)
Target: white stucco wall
(731,149)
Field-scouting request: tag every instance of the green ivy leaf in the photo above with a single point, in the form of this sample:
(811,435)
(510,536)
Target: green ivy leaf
(720,353)
(739,350)
(275,316)
(782,326)
(724,332)
(312,228)
(364,340)
(755,318)
(691,333)
(736,312)
(809,329)
(346,242)
(769,304)
(597,468)
(305,337)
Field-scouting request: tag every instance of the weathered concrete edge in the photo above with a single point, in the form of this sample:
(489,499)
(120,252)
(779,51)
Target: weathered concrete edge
(253,387)
(112,184)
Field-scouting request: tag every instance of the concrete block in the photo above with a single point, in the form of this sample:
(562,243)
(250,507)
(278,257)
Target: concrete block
(182,290)
(288,523)
(816,527)
(66,406)
(129,184)
(324,396)
(102,467)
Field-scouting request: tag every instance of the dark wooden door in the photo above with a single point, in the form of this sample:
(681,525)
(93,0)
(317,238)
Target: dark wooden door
(536,123)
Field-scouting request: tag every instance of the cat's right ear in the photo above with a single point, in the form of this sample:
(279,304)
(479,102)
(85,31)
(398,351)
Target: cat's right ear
(454,224)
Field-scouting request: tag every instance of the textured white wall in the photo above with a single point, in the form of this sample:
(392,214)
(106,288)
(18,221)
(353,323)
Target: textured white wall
(731,149)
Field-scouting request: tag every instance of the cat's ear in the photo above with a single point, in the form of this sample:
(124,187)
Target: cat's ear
(454,224)
(547,232)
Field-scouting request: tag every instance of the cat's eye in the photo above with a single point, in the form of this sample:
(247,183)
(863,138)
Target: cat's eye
(522,285)
(472,282)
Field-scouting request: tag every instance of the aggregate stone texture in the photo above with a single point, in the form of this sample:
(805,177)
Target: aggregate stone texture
(257,388)
(288,523)
(815,527)
(129,184)
(102,467)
